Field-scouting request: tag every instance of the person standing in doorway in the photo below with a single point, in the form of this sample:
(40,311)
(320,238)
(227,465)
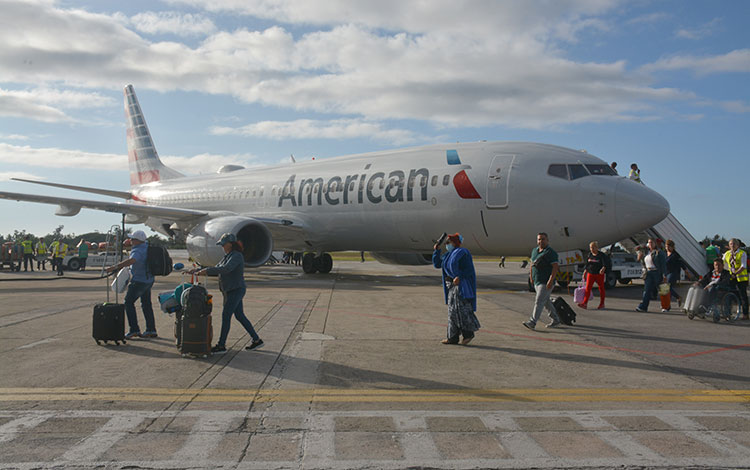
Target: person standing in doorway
(635,173)
(544,268)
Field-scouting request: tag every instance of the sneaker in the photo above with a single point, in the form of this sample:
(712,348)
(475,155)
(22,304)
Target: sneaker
(639,309)
(255,344)
(466,341)
(583,306)
(553,324)
(529,325)
(133,334)
(449,341)
(149,334)
(664,310)
(218,349)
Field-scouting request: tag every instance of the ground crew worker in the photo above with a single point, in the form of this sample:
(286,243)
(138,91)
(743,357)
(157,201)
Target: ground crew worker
(61,250)
(635,173)
(83,253)
(28,253)
(52,250)
(41,254)
(735,261)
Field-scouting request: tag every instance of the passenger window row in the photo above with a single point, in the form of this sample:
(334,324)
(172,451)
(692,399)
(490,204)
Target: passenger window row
(577,170)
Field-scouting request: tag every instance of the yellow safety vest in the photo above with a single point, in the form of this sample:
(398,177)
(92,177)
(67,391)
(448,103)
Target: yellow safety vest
(59,250)
(734,263)
(41,248)
(28,247)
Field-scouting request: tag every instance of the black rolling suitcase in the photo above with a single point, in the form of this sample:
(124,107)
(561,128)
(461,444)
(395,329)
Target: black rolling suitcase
(193,327)
(566,314)
(109,321)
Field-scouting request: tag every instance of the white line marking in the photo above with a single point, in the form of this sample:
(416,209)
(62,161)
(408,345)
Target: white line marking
(9,430)
(37,343)
(205,436)
(103,438)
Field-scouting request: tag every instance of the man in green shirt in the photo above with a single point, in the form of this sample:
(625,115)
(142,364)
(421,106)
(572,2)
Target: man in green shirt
(544,267)
(83,253)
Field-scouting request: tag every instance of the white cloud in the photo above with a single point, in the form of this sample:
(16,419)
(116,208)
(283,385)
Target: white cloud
(172,22)
(734,61)
(14,137)
(699,32)
(62,158)
(43,104)
(316,129)
(450,63)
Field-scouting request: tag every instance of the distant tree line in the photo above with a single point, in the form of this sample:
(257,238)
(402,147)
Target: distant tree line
(72,238)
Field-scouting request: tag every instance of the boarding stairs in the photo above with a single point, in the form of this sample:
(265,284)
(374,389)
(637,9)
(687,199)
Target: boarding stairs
(689,249)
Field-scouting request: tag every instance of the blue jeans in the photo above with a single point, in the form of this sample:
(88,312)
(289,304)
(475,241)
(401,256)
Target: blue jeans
(233,306)
(139,290)
(672,279)
(650,288)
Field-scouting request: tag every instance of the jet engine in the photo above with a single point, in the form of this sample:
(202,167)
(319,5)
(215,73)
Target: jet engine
(256,240)
(409,259)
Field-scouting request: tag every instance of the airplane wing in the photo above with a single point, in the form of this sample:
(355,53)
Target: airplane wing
(71,207)
(105,192)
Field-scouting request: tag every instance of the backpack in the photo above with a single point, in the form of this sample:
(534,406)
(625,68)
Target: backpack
(196,302)
(158,261)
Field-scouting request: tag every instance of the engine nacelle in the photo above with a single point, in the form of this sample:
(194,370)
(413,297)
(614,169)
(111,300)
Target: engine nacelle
(256,240)
(408,259)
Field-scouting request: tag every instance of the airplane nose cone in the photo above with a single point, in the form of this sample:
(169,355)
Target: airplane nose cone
(638,207)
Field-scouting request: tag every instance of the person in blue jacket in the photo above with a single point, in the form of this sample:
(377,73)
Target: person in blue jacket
(231,271)
(460,288)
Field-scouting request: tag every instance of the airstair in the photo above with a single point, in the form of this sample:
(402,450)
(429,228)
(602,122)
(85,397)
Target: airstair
(688,247)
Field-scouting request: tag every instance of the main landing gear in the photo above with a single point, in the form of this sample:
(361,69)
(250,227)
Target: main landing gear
(322,263)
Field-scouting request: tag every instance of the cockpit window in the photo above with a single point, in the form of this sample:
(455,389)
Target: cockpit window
(601,170)
(577,171)
(558,171)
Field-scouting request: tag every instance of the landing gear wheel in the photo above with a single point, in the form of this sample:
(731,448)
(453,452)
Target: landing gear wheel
(325,263)
(309,264)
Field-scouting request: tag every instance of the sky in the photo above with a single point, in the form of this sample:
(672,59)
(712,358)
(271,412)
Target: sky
(664,84)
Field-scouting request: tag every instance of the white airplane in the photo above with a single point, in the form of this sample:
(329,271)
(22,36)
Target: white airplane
(394,204)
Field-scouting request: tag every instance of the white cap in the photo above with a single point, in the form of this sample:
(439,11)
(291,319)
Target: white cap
(138,235)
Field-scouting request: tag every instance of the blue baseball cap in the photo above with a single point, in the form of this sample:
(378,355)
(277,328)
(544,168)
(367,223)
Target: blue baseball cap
(226,238)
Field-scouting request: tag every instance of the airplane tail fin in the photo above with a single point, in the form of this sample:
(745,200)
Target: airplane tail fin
(143,160)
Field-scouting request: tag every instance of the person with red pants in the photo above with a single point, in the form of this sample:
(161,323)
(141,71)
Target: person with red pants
(595,272)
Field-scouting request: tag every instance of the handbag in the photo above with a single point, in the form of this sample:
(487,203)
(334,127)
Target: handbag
(663,288)
(120,283)
(579,294)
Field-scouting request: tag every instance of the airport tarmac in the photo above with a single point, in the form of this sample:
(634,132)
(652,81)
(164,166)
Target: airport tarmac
(353,375)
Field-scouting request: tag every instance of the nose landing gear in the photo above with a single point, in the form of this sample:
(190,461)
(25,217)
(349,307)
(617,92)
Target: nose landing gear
(312,263)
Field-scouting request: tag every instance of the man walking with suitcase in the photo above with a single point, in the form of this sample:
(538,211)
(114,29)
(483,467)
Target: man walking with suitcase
(141,281)
(544,267)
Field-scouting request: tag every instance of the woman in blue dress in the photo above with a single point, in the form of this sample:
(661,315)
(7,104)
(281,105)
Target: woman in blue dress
(460,288)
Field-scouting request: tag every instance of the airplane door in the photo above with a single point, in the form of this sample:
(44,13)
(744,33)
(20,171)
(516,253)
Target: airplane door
(498,180)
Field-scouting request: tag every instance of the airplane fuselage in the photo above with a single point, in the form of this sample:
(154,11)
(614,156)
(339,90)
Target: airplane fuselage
(499,195)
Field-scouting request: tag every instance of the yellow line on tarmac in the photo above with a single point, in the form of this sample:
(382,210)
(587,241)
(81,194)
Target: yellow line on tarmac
(331,395)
